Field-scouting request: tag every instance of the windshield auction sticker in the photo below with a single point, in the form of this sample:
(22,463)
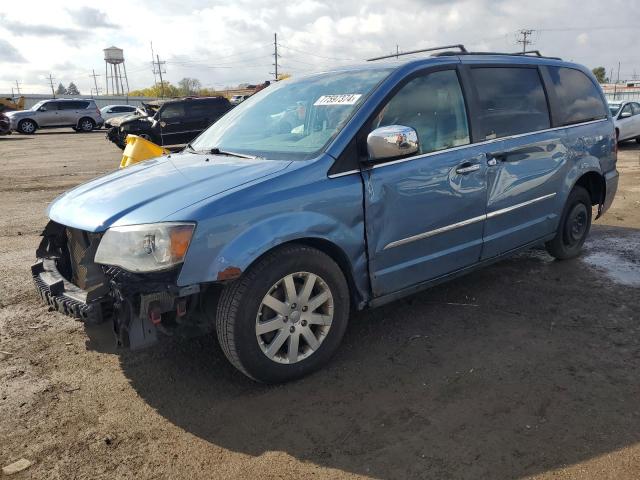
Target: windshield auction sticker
(344,99)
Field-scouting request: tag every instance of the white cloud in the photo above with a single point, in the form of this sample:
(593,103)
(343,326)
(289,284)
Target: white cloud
(224,43)
(582,39)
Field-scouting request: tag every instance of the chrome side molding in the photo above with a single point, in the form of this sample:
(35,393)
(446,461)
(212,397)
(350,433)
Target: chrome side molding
(464,223)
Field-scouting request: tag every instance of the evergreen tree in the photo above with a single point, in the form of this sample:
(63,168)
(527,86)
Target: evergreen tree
(72,89)
(600,74)
(61,90)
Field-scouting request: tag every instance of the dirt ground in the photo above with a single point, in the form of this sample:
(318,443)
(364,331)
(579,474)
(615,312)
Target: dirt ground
(526,369)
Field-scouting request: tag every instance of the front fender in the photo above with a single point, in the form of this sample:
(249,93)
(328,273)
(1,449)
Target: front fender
(304,205)
(275,231)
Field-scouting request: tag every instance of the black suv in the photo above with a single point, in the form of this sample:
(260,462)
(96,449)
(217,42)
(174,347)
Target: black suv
(175,122)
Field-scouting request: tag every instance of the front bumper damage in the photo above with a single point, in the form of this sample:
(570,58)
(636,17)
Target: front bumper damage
(117,136)
(139,305)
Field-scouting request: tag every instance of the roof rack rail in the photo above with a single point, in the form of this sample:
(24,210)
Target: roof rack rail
(534,52)
(433,49)
(529,52)
(526,53)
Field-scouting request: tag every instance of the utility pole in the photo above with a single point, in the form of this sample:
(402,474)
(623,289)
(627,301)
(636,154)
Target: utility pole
(524,40)
(160,66)
(18,87)
(397,51)
(275,55)
(51,79)
(95,81)
(153,63)
(615,87)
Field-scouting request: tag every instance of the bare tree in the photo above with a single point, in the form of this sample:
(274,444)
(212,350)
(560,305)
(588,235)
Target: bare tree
(189,86)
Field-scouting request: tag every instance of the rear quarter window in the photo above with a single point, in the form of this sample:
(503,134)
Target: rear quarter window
(511,101)
(579,99)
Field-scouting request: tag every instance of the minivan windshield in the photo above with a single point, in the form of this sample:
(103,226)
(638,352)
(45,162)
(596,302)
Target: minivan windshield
(292,119)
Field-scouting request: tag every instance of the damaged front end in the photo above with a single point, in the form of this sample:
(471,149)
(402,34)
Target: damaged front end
(116,135)
(139,305)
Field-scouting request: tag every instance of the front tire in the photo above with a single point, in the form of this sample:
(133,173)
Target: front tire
(574,226)
(285,316)
(27,127)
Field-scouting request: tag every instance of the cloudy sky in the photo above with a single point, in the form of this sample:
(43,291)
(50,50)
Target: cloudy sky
(226,43)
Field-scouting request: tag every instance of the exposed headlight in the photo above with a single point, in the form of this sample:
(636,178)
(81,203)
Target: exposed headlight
(145,248)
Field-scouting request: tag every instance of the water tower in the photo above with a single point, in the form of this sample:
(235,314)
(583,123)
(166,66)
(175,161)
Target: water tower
(115,71)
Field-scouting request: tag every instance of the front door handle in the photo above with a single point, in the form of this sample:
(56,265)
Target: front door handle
(467,168)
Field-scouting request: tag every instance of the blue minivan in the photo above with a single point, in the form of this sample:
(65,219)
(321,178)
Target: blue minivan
(335,192)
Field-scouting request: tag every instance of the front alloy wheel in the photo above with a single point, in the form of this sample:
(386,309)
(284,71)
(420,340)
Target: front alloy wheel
(294,317)
(285,316)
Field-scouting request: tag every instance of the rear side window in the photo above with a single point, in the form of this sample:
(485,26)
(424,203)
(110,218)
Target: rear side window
(173,110)
(73,105)
(200,109)
(636,108)
(511,101)
(217,106)
(579,99)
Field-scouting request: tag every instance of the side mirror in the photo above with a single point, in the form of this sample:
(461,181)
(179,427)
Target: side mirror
(393,141)
(625,114)
(42,109)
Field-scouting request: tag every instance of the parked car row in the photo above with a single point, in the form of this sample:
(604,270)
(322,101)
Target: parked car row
(81,115)
(626,117)
(165,122)
(174,122)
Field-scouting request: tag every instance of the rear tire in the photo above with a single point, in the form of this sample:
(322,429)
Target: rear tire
(574,226)
(85,125)
(27,127)
(270,345)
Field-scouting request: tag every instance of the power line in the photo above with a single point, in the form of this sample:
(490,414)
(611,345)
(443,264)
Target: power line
(226,64)
(319,56)
(215,59)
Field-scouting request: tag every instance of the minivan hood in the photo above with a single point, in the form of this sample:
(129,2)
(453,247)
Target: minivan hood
(152,190)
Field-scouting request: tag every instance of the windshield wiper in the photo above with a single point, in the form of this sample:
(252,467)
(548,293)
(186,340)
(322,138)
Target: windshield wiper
(217,151)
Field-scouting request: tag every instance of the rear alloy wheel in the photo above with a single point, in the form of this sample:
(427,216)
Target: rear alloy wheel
(574,226)
(285,316)
(86,125)
(28,127)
